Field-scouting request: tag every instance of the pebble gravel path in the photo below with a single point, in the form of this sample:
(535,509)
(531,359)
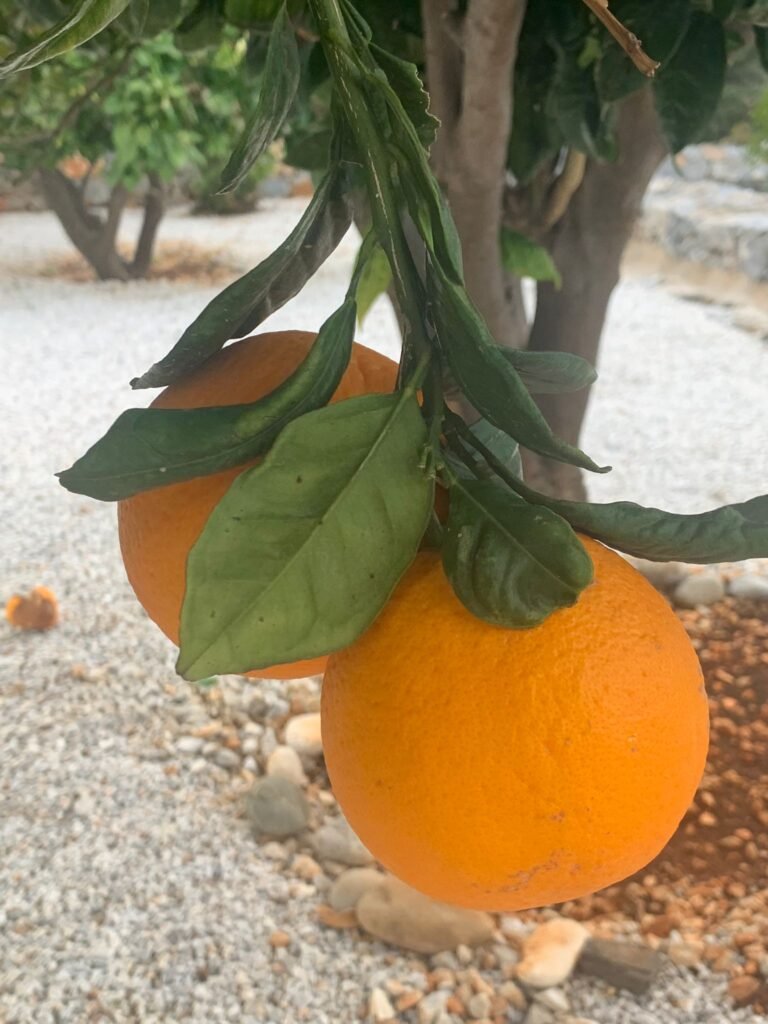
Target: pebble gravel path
(131,887)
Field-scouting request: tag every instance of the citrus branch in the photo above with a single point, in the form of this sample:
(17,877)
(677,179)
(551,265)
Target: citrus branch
(627,40)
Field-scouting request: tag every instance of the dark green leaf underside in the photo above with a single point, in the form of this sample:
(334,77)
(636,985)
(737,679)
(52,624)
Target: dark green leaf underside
(488,378)
(252,298)
(280,82)
(511,564)
(148,448)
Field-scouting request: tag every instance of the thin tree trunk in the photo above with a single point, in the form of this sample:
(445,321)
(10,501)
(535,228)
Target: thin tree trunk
(470,64)
(92,237)
(587,245)
(154,208)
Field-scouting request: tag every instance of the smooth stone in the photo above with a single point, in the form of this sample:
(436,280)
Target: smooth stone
(401,916)
(348,889)
(268,743)
(338,842)
(276,807)
(662,575)
(554,999)
(750,586)
(285,762)
(539,1014)
(303,734)
(701,588)
(550,952)
(226,758)
(190,744)
(380,1007)
(621,964)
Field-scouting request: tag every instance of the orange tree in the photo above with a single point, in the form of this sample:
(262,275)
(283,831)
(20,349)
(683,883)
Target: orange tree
(323,529)
(592,701)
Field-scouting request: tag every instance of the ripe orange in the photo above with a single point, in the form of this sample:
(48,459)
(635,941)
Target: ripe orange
(158,527)
(507,769)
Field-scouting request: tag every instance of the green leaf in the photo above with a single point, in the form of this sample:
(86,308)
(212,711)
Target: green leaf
(309,150)
(525,258)
(659,24)
(280,83)
(761,44)
(252,298)
(148,448)
(404,78)
(304,550)
(728,534)
(375,279)
(201,28)
(84,21)
(688,88)
(506,450)
(488,378)
(551,373)
(511,564)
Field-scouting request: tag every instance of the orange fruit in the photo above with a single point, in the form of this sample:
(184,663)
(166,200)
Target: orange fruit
(158,527)
(506,769)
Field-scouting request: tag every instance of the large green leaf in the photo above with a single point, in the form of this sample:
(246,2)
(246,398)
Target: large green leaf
(524,258)
(147,448)
(303,551)
(659,24)
(279,85)
(728,534)
(251,13)
(689,86)
(551,373)
(488,378)
(201,28)
(252,298)
(86,19)
(512,564)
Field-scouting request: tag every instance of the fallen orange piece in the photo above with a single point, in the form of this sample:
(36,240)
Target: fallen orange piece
(39,610)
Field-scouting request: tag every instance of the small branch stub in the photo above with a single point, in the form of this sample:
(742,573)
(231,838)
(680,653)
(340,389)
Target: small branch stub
(629,42)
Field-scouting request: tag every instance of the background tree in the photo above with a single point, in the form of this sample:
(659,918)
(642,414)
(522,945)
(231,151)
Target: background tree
(141,112)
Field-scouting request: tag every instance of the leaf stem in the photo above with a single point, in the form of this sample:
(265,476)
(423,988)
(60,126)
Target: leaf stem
(627,40)
(347,74)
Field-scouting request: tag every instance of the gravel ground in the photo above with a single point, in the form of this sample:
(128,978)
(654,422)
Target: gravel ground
(130,889)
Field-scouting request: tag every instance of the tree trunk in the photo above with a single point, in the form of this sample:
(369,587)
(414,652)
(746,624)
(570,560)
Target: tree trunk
(154,208)
(587,245)
(95,237)
(92,237)
(470,63)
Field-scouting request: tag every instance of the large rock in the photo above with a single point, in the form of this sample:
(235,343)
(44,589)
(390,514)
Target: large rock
(701,588)
(622,964)
(663,575)
(401,916)
(337,842)
(749,586)
(303,734)
(276,807)
(350,887)
(550,952)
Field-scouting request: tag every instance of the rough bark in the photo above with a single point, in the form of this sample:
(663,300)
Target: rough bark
(96,237)
(587,245)
(470,67)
